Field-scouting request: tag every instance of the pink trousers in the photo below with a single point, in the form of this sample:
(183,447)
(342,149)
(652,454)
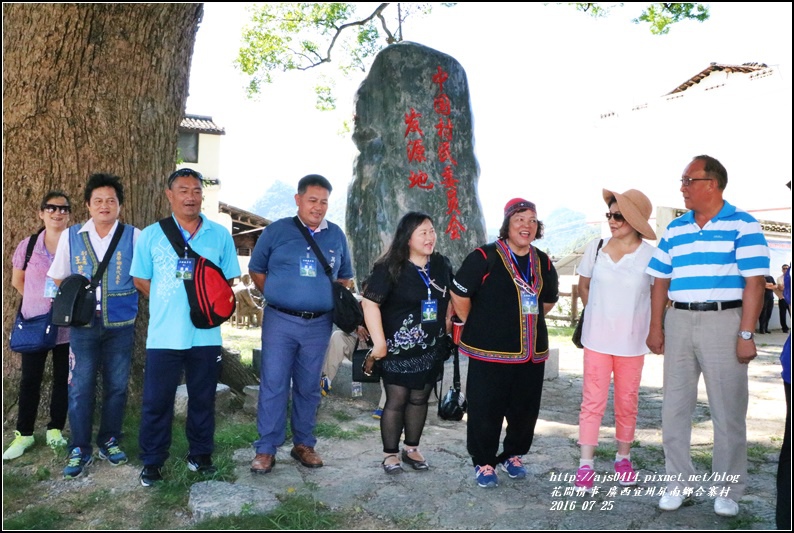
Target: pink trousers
(598,370)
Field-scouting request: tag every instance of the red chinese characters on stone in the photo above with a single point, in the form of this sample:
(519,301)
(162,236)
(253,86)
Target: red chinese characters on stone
(439,78)
(416,151)
(444,129)
(412,123)
(419,179)
(454,228)
(442,105)
(445,154)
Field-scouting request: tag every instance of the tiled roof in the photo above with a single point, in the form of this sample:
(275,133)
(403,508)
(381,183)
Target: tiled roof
(200,124)
(716,67)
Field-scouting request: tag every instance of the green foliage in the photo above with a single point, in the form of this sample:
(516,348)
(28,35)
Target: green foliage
(287,36)
(660,16)
(36,518)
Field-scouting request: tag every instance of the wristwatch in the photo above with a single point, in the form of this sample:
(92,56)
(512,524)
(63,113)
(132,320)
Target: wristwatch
(746,335)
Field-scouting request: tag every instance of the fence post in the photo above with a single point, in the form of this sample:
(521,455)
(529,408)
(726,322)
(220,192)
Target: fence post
(574,304)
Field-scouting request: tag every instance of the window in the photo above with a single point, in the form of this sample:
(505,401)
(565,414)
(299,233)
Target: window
(187,147)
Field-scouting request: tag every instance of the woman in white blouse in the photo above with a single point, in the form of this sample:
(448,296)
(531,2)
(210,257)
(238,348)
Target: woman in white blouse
(617,291)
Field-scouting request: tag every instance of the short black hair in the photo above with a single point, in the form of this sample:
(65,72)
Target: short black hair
(505,229)
(95,181)
(314,179)
(714,169)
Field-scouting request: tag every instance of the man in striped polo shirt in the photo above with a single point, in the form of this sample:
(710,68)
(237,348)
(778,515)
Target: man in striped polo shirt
(711,263)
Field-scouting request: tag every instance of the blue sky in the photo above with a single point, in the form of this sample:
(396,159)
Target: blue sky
(539,76)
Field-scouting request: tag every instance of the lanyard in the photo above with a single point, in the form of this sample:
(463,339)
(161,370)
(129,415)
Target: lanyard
(425,277)
(183,231)
(526,277)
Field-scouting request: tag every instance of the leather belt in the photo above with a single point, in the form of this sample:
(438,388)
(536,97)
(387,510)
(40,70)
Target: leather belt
(708,306)
(308,315)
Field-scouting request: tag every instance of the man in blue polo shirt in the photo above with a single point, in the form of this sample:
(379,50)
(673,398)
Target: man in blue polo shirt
(174,344)
(297,321)
(711,263)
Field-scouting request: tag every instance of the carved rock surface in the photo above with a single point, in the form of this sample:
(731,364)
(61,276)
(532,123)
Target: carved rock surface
(413,131)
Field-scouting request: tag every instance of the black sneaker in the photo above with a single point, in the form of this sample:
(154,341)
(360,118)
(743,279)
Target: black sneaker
(201,463)
(150,475)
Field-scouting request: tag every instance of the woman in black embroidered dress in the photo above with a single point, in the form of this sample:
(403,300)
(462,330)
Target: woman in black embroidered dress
(502,292)
(407,314)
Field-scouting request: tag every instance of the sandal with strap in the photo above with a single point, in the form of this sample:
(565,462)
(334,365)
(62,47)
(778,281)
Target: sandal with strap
(415,464)
(393,468)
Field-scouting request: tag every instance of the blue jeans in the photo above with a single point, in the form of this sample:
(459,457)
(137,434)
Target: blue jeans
(94,349)
(202,365)
(293,349)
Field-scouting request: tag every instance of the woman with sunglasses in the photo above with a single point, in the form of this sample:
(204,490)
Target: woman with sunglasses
(37,291)
(617,291)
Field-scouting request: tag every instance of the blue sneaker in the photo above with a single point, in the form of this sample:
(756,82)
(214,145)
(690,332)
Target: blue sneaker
(514,467)
(77,463)
(486,476)
(325,385)
(377,414)
(111,452)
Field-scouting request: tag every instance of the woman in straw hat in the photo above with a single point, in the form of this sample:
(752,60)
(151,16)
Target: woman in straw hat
(617,291)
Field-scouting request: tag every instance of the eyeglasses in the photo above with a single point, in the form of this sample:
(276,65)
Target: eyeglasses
(185,172)
(686,182)
(617,216)
(52,208)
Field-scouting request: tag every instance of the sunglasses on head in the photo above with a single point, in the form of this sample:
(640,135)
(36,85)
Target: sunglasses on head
(185,172)
(617,216)
(52,208)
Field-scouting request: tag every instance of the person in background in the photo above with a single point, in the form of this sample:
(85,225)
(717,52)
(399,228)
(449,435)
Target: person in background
(716,286)
(783,479)
(105,345)
(297,321)
(769,304)
(173,344)
(783,307)
(617,292)
(407,312)
(37,291)
(341,347)
(502,293)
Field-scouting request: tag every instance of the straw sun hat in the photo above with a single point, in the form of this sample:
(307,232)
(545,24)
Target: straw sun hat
(635,208)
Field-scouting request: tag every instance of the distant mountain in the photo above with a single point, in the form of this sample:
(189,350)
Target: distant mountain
(278,201)
(565,231)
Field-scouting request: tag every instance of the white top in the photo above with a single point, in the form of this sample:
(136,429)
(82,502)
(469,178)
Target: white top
(618,313)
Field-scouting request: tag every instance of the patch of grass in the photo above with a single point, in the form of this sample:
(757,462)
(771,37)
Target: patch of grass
(295,513)
(702,458)
(242,340)
(417,522)
(342,416)
(758,452)
(36,518)
(743,521)
(327,430)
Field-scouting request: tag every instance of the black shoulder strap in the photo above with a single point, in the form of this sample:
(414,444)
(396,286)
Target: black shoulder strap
(97,277)
(31,245)
(597,250)
(315,248)
(171,231)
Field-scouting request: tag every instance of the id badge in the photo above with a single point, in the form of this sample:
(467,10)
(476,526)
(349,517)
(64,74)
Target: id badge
(50,288)
(529,303)
(184,268)
(308,267)
(429,310)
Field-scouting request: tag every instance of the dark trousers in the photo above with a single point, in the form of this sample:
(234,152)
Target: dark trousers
(783,509)
(782,308)
(202,366)
(30,389)
(498,392)
(766,314)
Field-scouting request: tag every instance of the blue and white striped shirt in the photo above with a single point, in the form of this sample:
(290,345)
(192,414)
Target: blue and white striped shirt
(710,264)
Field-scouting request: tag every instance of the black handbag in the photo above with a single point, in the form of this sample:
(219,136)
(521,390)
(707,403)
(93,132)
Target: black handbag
(358,358)
(454,404)
(348,314)
(35,334)
(576,338)
(75,303)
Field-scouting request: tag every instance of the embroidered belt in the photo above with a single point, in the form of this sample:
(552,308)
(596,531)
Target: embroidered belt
(708,306)
(308,315)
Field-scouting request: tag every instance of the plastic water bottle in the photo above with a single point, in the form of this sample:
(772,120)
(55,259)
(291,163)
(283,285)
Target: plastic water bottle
(356,389)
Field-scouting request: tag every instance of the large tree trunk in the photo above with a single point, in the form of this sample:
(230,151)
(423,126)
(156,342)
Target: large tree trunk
(89,88)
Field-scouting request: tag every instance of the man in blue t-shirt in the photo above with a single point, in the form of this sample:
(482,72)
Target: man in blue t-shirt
(297,321)
(711,262)
(173,343)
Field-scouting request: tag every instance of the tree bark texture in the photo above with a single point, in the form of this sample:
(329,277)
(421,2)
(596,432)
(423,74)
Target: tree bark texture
(89,88)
